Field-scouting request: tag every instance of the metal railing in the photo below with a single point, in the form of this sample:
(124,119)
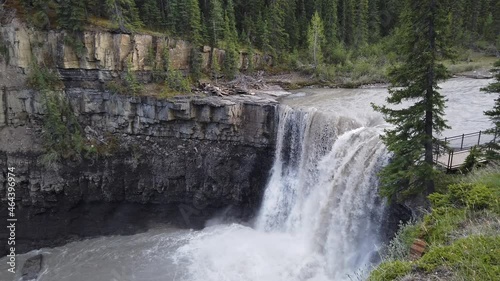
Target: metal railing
(456,147)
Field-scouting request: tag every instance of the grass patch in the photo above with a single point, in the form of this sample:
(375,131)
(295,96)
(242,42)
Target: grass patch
(462,233)
(469,61)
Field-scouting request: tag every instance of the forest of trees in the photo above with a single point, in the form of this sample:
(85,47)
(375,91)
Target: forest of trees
(278,27)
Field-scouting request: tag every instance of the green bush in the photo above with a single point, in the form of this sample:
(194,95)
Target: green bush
(480,197)
(390,271)
(42,78)
(474,258)
(399,247)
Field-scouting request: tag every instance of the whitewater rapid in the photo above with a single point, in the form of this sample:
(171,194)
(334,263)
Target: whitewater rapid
(320,217)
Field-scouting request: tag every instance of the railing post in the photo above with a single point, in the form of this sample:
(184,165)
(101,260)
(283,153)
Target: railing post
(462,145)
(479,138)
(450,160)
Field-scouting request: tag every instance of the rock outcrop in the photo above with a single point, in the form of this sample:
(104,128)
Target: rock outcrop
(174,161)
(102,51)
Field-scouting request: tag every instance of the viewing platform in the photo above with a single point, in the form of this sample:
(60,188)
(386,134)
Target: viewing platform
(454,152)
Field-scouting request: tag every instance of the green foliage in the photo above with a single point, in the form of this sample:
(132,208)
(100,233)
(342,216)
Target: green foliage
(195,64)
(62,134)
(150,14)
(124,13)
(4,51)
(494,113)
(315,39)
(473,258)
(130,81)
(390,271)
(72,15)
(411,141)
(399,247)
(76,43)
(461,234)
(42,78)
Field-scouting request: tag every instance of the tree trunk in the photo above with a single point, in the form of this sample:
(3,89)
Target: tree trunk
(428,97)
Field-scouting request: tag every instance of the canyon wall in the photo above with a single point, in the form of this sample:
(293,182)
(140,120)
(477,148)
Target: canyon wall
(174,161)
(103,51)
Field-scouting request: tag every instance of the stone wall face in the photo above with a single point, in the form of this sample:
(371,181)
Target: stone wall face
(103,51)
(178,161)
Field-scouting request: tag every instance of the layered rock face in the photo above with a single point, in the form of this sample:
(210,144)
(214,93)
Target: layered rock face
(177,161)
(174,161)
(103,52)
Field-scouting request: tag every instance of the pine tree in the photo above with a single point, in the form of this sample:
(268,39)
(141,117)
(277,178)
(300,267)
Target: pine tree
(263,34)
(329,14)
(231,54)
(361,26)
(346,27)
(150,14)
(494,114)
(72,14)
(192,15)
(215,23)
(278,39)
(411,141)
(124,13)
(373,21)
(315,38)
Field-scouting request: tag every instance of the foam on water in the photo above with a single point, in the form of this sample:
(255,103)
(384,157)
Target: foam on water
(320,213)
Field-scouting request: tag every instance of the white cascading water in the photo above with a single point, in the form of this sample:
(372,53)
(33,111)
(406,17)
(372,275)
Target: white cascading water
(319,216)
(320,212)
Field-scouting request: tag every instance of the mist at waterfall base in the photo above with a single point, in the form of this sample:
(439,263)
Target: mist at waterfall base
(320,216)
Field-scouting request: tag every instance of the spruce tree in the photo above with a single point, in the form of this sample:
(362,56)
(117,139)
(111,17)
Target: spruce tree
(124,13)
(329,16)
(361,26)
(231,57)
(72,15)
(315,38)
(494,114)
(194,35)
(416,81)
(278,39)
(150,14)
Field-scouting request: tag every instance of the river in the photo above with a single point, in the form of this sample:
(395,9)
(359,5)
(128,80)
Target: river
(320,216)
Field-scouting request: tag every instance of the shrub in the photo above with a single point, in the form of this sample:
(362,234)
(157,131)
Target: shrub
(399,246)
(474,258)
(390,271)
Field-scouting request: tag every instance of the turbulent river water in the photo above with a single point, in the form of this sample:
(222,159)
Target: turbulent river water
(320,217)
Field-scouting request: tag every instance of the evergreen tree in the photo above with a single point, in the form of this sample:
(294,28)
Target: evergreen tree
(231,54)
(361,26)
(347,21)
(494,114)
(263,35)
(329,14)
(373,21)
(412,138)
(278,39)
(124,13)
(72,14)
(215,23)
(194,35)
(173,17)
(315,38)
(150,14)
(192,15)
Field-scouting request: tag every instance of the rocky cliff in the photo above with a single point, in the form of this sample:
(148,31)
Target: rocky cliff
(174,161)
(102,52)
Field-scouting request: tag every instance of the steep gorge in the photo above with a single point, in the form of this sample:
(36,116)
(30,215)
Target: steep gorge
(176,161)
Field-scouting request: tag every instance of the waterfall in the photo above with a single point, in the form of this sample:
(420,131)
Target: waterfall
(320,214)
